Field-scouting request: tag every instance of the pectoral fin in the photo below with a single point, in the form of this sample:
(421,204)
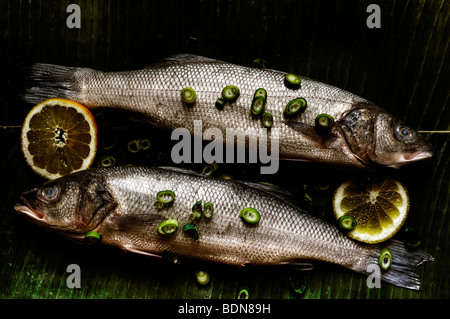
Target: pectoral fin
(318,138)
(128,222)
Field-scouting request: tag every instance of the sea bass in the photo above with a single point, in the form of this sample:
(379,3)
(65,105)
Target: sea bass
(364,135)
(119,204)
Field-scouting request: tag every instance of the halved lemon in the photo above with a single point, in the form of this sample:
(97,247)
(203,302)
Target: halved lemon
(59,137)
(380,207)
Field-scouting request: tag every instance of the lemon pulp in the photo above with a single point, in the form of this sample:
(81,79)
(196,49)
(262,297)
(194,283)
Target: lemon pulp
(59,137)
(379,207)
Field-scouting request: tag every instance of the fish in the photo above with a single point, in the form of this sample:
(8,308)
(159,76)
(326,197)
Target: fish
(364,135)
(119,204)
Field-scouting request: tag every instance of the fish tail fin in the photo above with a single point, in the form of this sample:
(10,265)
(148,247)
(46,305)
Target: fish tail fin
(404,263)
(51,81)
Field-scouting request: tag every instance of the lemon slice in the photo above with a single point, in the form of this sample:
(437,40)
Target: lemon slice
(59,137)
(380,208)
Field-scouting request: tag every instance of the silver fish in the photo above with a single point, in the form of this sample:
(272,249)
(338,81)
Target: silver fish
(364,134)
(118,203)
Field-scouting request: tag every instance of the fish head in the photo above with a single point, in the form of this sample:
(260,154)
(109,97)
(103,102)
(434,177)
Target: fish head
(379,139)
(71,205)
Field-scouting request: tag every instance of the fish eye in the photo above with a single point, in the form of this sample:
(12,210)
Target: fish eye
(50,192)
(404,133)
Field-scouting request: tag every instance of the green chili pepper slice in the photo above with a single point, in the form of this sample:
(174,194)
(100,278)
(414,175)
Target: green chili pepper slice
(133,146)
(209,169)
(250,215)
(92,237)
(202,277)
(267,119)
(258,105)
(108,142)
(295,107)
(298,283)
(324,121)
(208,210)
(230,93)
(411,237)
(107,161)
(243,294)
(292,81)
(188,95)
(197,209)
(347,222)
(192,230)
(168,227)
(220,103)
(166,197)
(260,92)
(385,260)
(144,144)
(158,204)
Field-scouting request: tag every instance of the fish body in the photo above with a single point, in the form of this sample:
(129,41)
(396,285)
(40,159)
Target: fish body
(118,203)
(364,134)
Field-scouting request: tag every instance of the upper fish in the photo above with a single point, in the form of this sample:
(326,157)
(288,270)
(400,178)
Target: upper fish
(364,135)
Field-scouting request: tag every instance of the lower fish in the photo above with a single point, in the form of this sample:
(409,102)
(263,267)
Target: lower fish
(118,203)
(363,135)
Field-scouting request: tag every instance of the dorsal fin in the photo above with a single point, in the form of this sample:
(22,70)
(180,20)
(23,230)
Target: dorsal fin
(181,58)
(277,191)
(186,57)
(321,140)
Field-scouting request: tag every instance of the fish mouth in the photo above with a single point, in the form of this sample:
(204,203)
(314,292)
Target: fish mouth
(422,155)
(412,157)
(27,211)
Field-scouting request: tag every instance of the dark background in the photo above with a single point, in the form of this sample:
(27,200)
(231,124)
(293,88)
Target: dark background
(402,67)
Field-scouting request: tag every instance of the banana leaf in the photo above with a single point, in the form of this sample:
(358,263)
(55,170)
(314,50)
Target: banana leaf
(402,66)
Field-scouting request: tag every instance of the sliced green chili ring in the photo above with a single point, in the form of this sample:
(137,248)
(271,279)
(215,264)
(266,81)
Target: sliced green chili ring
(347,222)
(267,120)
(259,63)
(92,237)
(322,186)
(412,238)
(208,210)
(230,93)
(385,259)
(109,141)
(197,209)
(192,230)
(324,121)
(220,103)
(243,294)
(258,105)
(168,227)
(295,107)
(202,277)
(166,197)
(188,95)
(133,146)
(260,92)
(298,283)
(209,169)
(159,205)
(226,176)
(107,161)
(292,81)
(250,215)
(144,144)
